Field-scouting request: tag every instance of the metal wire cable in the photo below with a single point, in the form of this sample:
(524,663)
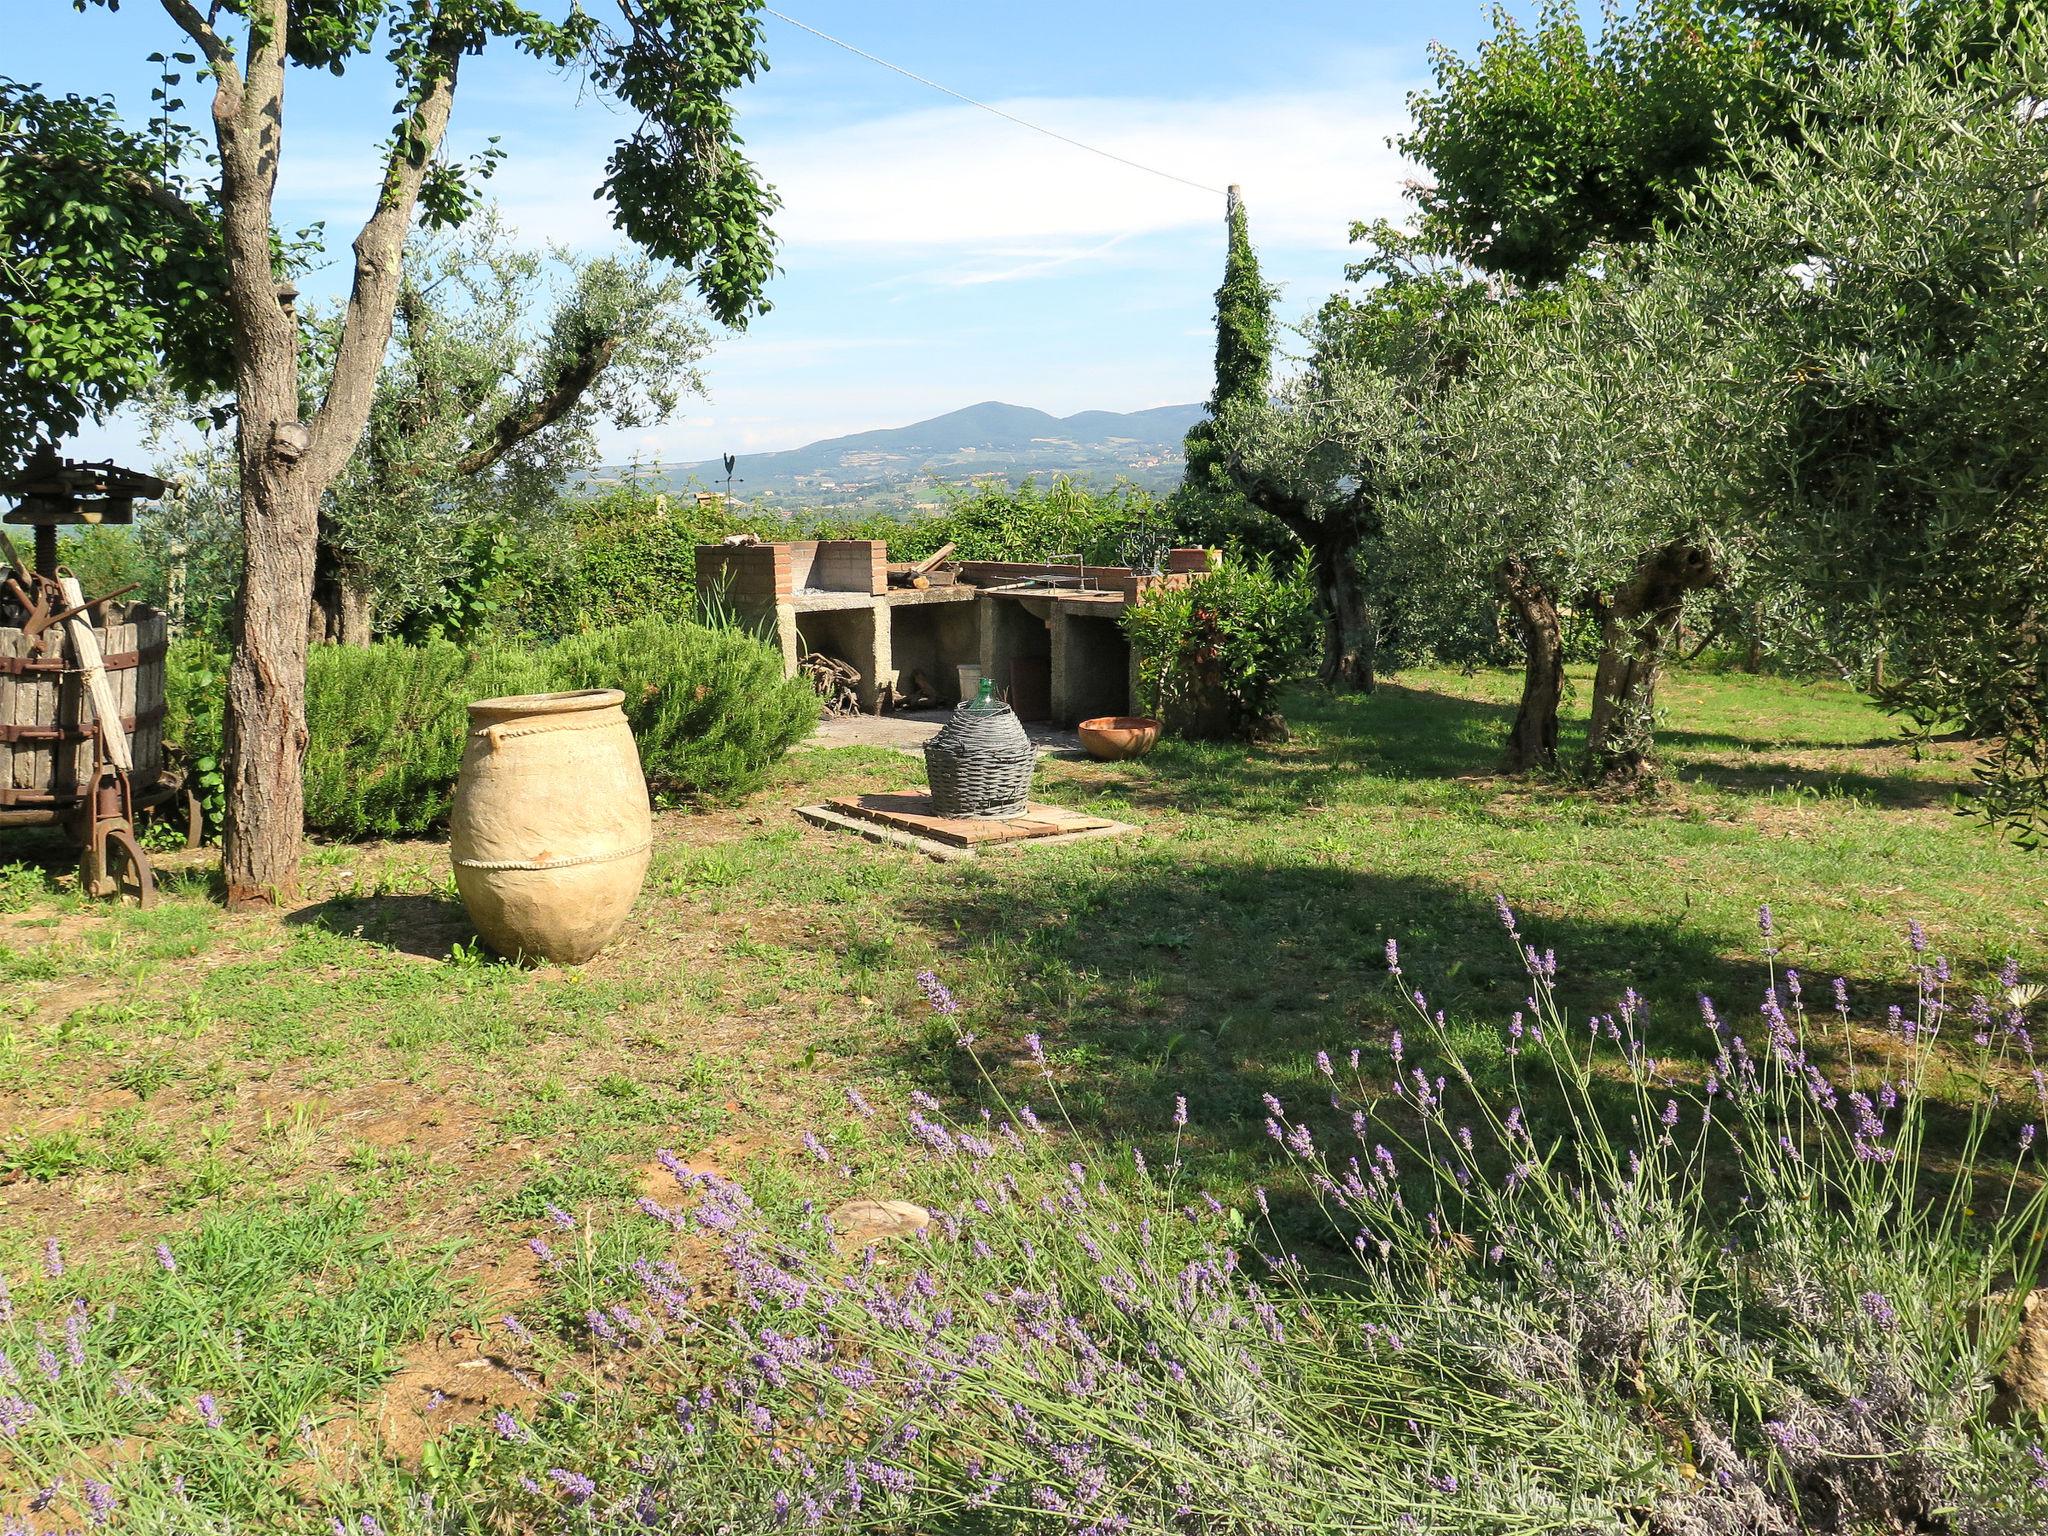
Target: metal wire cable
(1012,117)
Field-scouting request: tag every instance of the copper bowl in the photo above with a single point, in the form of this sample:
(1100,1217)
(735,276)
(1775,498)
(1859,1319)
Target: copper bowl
(1112,738)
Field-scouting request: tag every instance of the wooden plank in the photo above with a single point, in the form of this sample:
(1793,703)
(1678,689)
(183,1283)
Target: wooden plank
(150,633)
(10,686)
(85,648)
(44,708)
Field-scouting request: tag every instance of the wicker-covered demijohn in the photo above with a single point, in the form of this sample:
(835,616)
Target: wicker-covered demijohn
(980,764)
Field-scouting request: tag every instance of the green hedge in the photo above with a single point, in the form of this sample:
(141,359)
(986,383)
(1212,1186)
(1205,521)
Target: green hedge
(709,707)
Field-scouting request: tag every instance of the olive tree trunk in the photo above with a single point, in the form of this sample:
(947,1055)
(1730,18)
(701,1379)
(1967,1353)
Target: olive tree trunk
(1350,629)
(1636,626)
(343,609)
(1532,742)
(1334,534)
(287,464)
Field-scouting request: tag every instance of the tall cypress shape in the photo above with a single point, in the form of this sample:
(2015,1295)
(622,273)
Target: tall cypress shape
(1244,344)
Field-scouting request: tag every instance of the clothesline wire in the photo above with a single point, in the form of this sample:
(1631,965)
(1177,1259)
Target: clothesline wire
(1012,117)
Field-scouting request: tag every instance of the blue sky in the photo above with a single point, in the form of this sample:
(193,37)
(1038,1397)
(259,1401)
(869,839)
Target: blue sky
(933,255)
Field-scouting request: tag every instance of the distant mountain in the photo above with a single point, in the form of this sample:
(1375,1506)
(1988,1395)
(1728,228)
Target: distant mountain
(897,467)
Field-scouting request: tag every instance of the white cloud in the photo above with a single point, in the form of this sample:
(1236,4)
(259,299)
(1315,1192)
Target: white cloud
(954,179)
(953,176)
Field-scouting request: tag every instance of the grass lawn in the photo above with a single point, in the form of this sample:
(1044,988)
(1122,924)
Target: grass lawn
(357,1056)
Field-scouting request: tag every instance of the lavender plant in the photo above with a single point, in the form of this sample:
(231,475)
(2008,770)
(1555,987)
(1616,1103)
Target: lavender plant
(1744,1305)
(1752,1299)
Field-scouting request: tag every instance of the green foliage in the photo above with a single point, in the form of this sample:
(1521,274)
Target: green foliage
(111,268)
(385,730)
(679,184)
(1547,143)
(386,723)
(107,558)
(1211,656)
(617,556)
(195,711)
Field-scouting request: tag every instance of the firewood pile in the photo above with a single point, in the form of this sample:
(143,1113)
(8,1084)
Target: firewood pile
(838,684)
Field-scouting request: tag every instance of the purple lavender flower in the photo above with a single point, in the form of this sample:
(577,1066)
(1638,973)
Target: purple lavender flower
(860,1105)
(508,1428)
(53,1259)
(15,1412)
(209,1410)
(99,1502)
(936,993)
(77,1322)
(1916,937)
(1878,1308)
(1180,1112)
(561,1218)
(1393,957)
(579,1488)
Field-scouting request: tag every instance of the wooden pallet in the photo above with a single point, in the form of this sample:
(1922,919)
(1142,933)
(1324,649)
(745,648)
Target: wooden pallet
(907,819)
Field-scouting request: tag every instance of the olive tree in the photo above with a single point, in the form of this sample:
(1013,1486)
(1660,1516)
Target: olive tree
(1347,438)
(1895,328)
(1585,479)
(504,362)
(678,186)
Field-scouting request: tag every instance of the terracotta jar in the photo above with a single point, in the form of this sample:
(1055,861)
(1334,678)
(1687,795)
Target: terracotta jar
(551,829)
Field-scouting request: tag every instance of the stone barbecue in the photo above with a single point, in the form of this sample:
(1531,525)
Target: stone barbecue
(1045,634)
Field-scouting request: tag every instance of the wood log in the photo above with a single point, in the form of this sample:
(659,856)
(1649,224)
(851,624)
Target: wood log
(85,643)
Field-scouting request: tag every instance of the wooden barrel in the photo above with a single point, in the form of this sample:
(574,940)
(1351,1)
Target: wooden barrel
(47,714)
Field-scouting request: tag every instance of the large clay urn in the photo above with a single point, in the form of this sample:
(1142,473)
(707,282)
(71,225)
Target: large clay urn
(551,829)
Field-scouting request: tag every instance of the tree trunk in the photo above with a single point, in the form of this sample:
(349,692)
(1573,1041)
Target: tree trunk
(1636,626)
(1350,632)
(287,463)
(266,715)
(1532,743)
(343,606)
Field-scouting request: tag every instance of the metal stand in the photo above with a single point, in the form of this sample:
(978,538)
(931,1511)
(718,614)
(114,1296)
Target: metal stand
(112,862)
